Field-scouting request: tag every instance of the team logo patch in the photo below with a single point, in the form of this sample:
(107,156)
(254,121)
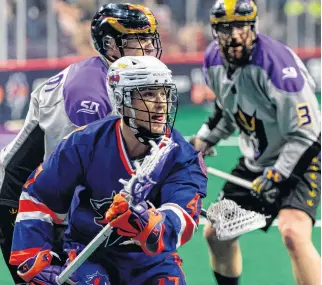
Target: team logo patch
(202,164)
(97,279)
(114,79)
(101,207)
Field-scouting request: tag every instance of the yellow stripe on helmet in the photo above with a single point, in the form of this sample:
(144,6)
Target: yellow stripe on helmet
(119,27)
(147,13)
(116,25)
(230,16)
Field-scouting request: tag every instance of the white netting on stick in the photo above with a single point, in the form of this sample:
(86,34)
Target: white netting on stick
(157,154)
(230,220)
(148,172)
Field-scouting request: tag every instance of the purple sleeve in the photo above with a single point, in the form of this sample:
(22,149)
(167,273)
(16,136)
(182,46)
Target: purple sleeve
(85,92)
(212,58)
(279,63)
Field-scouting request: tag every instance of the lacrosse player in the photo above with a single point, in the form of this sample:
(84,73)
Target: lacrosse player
(72,98)
(143,246)
(264,91)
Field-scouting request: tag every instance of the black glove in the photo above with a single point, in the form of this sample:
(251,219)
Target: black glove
(266,186)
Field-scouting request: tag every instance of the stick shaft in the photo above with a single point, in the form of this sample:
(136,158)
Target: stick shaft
(230,178)
(85,253)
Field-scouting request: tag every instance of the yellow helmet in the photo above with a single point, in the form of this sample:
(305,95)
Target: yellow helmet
(229,15)
(227,11)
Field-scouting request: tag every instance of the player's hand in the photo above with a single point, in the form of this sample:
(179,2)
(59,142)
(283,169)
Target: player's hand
(38,270)
(266,185)
(138,222)
(203,146)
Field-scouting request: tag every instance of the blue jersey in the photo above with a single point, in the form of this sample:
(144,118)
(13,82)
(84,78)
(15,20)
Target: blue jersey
(95,157)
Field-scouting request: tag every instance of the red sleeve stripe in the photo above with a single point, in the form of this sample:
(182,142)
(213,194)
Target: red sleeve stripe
(40,216)
(188,225)
(19,256)
(30,204)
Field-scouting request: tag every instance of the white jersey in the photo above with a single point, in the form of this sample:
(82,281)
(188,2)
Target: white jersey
(273,104)
(74,97)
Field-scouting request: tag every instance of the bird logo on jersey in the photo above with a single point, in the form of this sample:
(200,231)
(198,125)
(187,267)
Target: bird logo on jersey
(254,129)
(101,207)
(97,279)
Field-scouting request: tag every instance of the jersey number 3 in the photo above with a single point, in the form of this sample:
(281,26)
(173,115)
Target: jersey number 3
(303,114)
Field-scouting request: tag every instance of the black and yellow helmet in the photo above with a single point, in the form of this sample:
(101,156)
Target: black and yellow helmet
(227,15)
(228,11)
(124,21)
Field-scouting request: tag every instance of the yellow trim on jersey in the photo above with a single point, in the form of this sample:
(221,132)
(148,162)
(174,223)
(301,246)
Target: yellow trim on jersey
(230,14)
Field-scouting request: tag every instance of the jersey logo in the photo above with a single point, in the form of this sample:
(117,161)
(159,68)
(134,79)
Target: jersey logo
(254,129)
(97,279)
(89,107)
(101,207)
(289,72)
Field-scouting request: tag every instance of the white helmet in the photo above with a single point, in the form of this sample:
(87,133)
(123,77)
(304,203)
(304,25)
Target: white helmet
(137,73)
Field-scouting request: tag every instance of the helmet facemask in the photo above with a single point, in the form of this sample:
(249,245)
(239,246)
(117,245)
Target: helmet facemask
(236,41)
(116,28)
(127,42)
(149,110)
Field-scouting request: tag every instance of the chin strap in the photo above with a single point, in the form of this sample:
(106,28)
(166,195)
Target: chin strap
(144,136)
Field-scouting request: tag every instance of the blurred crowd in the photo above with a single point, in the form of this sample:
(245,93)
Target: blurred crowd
(183,24)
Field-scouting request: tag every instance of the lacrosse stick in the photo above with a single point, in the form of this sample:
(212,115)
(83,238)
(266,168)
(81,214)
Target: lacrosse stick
(230,178)
(137,189)
(230,220)
(269,196)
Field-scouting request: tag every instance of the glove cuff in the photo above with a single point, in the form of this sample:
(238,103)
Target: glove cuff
(34,265)
(203,132)
(273,174)
(151,238)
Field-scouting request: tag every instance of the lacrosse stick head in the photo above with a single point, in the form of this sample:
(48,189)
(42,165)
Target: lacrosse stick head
(148,173)
(230,220)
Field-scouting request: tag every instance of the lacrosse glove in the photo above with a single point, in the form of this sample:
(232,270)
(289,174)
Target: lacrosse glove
(138,222)
(206,148)
(38,270)
(266,186)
